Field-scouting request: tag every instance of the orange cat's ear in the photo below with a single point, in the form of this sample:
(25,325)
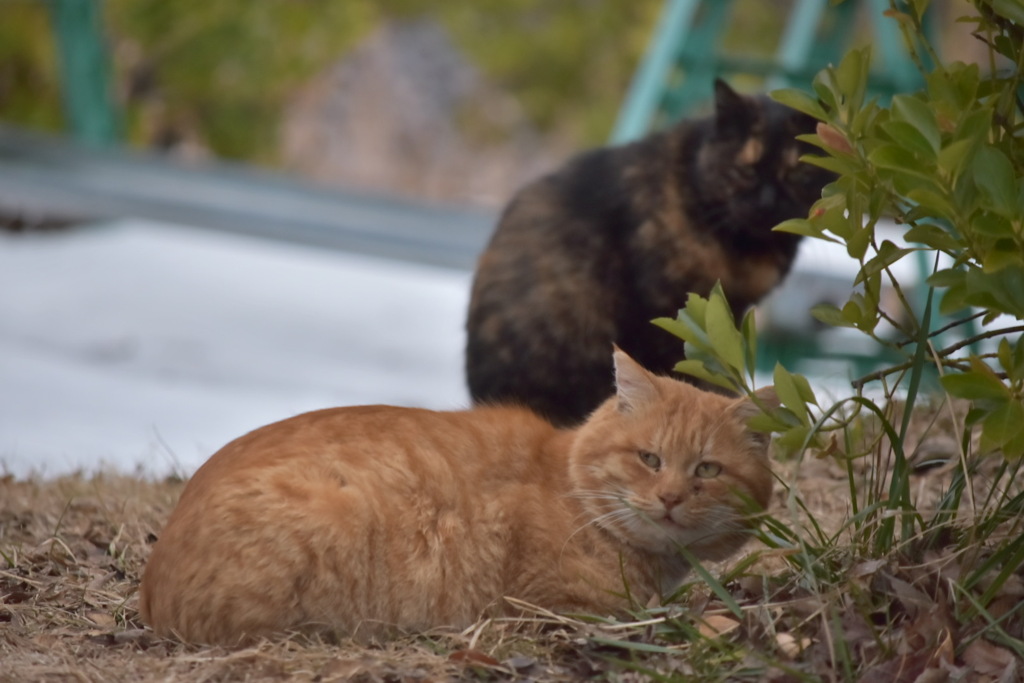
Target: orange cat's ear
(634,386)
(768,397)
(765,399)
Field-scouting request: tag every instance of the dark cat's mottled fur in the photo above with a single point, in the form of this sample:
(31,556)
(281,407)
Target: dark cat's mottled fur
(590,254)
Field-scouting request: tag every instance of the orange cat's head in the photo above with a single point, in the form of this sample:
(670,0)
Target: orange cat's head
(663,464)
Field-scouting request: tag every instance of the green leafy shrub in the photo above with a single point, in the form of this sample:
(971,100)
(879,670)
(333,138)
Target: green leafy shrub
(946,164)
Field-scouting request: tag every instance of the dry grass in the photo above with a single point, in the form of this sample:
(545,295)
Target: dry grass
(73,549)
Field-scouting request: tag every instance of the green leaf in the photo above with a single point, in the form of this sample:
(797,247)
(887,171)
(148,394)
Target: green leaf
(799,100)
(1000,290)
(967,79)
(910,139)
(974,385)
(851,77)
(824,88)
(919,117)
(938,204)
(920,7)
(844,165)
(852,312)
(793,440)
(788,391)
(696,368)
(1004,254)
(835,218)
(1011,9)
(954,156)
(695,309)
(1002,425)
(888,254)
(868,116)
(975,127)
(994,174)
(992,225)
(683,329)
(895,158)
(800,226)
(689,322)
(831,315)
(954,300)
(1016,370)
(1005,355)
(932,236)
(776,421)
(858,242)
(947,277)
(722,332)
(804,387)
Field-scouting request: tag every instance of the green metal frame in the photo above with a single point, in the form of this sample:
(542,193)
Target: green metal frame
(677,72)
(91,115)
(682,60)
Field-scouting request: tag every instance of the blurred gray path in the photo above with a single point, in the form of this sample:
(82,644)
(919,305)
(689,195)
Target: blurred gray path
(47,176)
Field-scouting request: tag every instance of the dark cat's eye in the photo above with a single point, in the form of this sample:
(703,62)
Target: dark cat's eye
(650,459)
(803,173)
(708,470)
(743,175)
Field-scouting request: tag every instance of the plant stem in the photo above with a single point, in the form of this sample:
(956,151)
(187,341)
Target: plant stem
(944,328)
(979,337)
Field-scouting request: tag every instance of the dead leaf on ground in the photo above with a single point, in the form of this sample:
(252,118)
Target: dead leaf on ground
(987,658)
(913,599)
(934,675)
(716,625)
(866,568)
(103,619)
(520,663)
(342,669)
(791,646)
(474,657)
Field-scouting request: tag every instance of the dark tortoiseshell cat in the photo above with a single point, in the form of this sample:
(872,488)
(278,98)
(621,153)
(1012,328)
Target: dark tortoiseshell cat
(590,254)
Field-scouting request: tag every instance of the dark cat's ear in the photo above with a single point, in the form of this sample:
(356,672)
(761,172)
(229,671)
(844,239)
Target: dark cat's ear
(733,114)
(634,386)
(765,398)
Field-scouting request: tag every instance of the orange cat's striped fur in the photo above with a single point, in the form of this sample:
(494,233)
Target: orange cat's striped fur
(355,521)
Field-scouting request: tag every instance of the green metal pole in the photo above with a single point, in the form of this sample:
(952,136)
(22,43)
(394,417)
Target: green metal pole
(797,43)
(85,70)
(902,75)
(648,86)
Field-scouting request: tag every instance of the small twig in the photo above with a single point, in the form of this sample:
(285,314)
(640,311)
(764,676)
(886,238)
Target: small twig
(529,607)
(979,337)
(477,630)
(18,577)
(944,328)
(892,321)
(859,383)
(634,624)
(957,363)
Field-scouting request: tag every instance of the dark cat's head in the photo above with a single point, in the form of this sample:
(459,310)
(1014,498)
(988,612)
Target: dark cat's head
(746,174)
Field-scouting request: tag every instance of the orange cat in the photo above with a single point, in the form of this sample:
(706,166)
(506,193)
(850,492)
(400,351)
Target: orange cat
(354,521)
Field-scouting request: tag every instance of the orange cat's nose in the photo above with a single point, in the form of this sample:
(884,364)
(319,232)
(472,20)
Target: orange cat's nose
(670,499)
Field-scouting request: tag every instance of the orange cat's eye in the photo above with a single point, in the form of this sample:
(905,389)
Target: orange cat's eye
(707,470)
(650,459)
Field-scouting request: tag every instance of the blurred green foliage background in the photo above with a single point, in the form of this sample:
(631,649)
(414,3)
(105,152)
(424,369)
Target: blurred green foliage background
(228,67)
